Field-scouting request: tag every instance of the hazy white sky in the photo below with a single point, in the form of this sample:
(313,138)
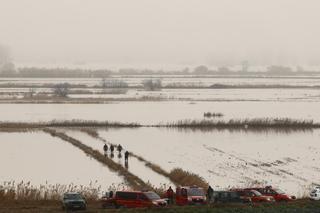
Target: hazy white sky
(143,32)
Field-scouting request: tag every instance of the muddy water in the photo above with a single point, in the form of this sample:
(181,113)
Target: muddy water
(156,112)
(39,158)
(226,159)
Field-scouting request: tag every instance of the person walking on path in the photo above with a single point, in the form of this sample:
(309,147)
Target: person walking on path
(126,156)
(119,148)
(105,147)
(111,148)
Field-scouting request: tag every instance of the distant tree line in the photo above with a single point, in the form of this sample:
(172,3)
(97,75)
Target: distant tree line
(7,69)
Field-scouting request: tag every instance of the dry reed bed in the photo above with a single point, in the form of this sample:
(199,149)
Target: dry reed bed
(255,123)
(177,176)
(133,181)
(11,190)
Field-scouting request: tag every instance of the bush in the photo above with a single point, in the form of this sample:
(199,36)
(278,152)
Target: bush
(61,90)
(151,84)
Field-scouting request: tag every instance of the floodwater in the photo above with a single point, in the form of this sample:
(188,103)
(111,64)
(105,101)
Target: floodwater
(39,158)
(230,158)
(225,158)
(158,112)
(134,166)
(213,95)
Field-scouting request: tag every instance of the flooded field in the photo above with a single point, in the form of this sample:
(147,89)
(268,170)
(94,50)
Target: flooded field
(158,112)
(224,158)
(230,158)
(41,159)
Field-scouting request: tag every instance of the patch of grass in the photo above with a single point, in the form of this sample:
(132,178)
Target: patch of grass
(185,178)
(212,114)
(299,206)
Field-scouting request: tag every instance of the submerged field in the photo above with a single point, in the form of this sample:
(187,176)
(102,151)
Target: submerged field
(262,136)
(224,158)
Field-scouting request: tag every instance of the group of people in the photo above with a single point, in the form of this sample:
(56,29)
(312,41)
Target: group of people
(119,149)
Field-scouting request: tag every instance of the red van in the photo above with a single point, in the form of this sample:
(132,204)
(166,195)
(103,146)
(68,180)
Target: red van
(190,195)
(134,199)
(277,194)
(253,195)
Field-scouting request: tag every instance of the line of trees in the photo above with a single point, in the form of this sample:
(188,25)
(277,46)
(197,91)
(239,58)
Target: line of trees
(8,69)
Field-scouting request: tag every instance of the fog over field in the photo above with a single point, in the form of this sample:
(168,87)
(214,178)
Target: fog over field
(119,100)
(161,34)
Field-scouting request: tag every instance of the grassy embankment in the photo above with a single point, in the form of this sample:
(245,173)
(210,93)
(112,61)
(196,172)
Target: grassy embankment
(132,180)
(299,206)
(178,176)
(67,124)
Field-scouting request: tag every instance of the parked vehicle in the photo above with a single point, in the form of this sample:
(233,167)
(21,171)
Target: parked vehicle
(315,193)
(229,197)
(254,196)
(190,195)
(134,199)
(277,194)
(73,201)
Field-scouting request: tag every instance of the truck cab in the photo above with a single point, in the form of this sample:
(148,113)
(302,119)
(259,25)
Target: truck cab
(190,195)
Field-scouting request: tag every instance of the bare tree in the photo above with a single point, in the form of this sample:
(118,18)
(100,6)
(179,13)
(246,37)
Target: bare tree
(113,83)
(30,93)
(61,90)
(152,84)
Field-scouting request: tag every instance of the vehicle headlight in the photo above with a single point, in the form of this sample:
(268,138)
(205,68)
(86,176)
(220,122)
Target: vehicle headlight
(189,199)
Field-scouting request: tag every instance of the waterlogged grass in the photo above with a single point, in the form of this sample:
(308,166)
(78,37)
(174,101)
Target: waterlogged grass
(255,123)
(185,178)
(212,114)
(280,123)
(71,123)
